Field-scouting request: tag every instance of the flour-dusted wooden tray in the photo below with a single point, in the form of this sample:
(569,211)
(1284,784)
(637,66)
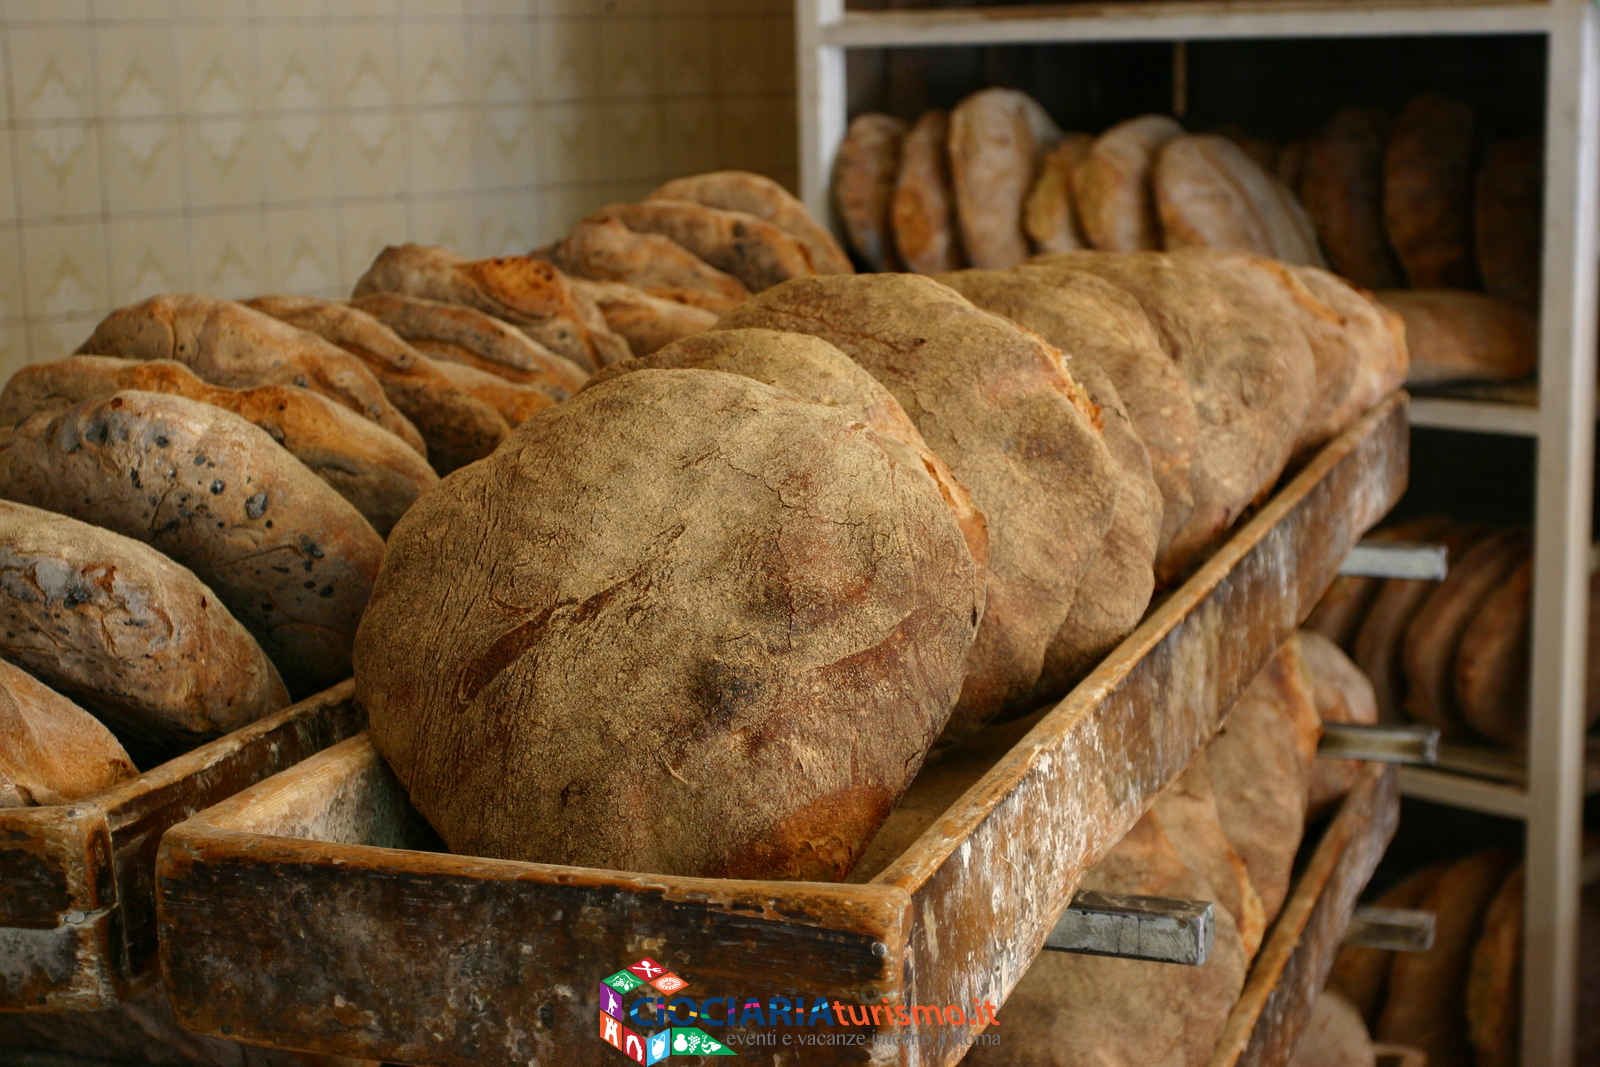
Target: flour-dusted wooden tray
(308,911)
(77,886)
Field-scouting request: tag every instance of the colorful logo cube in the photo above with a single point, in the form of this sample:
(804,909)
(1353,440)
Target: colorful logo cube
(632,1045)
(610,1031)
(611,1002)
(623,982)
(646,969)
(669,983)
(660,1047)
(688,1041)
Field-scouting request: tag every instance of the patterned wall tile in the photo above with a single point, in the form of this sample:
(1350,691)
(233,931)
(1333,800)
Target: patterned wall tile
(59,338)
(58,170)
(628,139)
(211,9)
(688,138)
(28,10)
(369,152)
(506,147)
(12,306)
(628,50)
(440,148)
(8,191)
(129,9)
(216,74)
(143,165)
(221,161)
(685,61)
(509,224)
(571,142)
(136,74)
(364,230)
(291,66)
(51,73)
(364,64)
(363,8)
(147,257)
(13,348)
(64,269)
(568,59)
(502,66)
(298,156)
(434,62)
(303,251)
(227,255)
(444,220)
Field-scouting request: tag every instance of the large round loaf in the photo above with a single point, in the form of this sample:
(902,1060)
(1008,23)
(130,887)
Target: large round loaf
(684,623)
(603,249)
(1334,1036)
(1494,986)
(923,211)
(125,631)
(1112,186)
(1361,973)
(51,750)
(1050,214)
(1427,193)
(1342,188)
(1508,215)
(864,174)
(997,405)
(291,558)
(1342,694)
(996,138)
(1377,334)
(1211,195)
(756,194)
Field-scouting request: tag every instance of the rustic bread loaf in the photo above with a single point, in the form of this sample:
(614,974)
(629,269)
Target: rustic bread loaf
(1209,194)
(125,631)
(1493,660)
(605,250)
(51,750)
(1050,215)
(1362,974)
(864,174)
(763,573)
(998,406)
(1334,1036)
(1072,1009)
(1335,354)
(457,427)
(1343,608)
(923,210)
(1341,694)
(1291,165)
(1426,1003)
(1263,151)
(513,400)
(1508,215)
(1427,193)
(230,344)
(996,138)
(364,463)
(462,334)
(1376,333)
(758,195)
(291,558)
(1342,189)
(1494,986)
(1092,321)
(1455,335)
(646,322)
(757,252)
(1434,636)
(527,293)
(1113,189)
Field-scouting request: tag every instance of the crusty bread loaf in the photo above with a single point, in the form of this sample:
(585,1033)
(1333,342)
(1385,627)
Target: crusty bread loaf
(457,427)
(125,631)
(864,174)
(1342,189)
(996,138)
(1494,985)
(291,558)
(1508,215)
(230,344)
(1426,1002)
(655,570)
(1492,662)
(756,194)
(1334,1036)
(1375,332)
(1335,357)
(1455,335)
(923,211)
(603,249)
(1342,694)
(1263,151)
(1209,194)
(514,401)
(1343,608)
(1050,214)
(998,406)
(462,334)
(757,252)
(364,463)
(1427,193)
(1112,187)
(528,293)
(646,322)
(51,750)
(1361,973)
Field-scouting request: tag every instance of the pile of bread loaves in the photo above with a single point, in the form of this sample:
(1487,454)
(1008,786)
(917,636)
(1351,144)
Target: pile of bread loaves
(1401,207)
(1454,654)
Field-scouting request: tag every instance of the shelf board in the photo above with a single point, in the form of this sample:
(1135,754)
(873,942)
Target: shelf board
(1478,416)
(1167,20)
(1464,791)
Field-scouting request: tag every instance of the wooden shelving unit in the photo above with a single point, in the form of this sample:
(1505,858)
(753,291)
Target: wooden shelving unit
(1558,413)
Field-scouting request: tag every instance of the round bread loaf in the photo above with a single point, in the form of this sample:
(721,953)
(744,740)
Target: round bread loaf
(1508,215)
(996,138)
(1112,186)
(1427,193)
(1211,195)
(923,211)
(51,750)
(684,623)
(1494,985)
(646,322)
(1050,214)
(751,249)
(605,250)
(864,174)
(1342,188)
(1334,1036)
(1342,694)
(756,194)
(1361,973)
(125,631)
(997,405)
(291,558)
(1377,335)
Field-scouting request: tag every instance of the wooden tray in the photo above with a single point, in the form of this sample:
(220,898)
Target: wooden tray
(77,892)
(307,912)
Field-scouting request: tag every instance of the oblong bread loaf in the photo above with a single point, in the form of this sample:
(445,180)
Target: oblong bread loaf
(51,750)
(125,631)
(515,401)
(996,138)
(1508,216)
(679,543)
(1494,983)
(292,559)
(751,249)
(1050,214)
(1112,186)
(605,250)
(864,174)
(997,405)
(1334,355)
(756,194)
(364,463)
(1342,189)
(1343,608)
(1361,973)
(1209,194)
(457,427)
(1454,335)
(230,344)
(646,322)
(1375,332)
(1427,192)
(923,210)
(1342,694)
(1334,1036)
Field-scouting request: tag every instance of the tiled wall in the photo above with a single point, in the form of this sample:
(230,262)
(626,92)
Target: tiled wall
(235,147)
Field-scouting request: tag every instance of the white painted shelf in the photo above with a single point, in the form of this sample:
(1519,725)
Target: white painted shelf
(1464,791)
(1479,416)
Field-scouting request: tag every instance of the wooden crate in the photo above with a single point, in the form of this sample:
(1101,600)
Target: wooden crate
(307,912)
(77,886)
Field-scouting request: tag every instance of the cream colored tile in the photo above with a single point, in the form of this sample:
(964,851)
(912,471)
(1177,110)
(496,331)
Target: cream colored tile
(363,8)
(215,71)
(568,52)
(509,224)
(564,205)
(297,160)
(369,152)
(136,73)
(686,60)
(571,142)
(446,221)
(364,231)
(291,66)
(754,132)
(8,190)
(302,250)
(143,165)
(50,75)
(365,64)
(434,62)
(57,10)
(506,147)
(227,256)
(288,10)
(628,49)
(433,9)
(65,269)
(440,149)
(58,169)
(59,338)
(13,307)
(628,147)
(13,348)
(101,10)
(147,257)
(742,54)
(222,162)
(505,8)
(502,62)
(688,136)
(211,9)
